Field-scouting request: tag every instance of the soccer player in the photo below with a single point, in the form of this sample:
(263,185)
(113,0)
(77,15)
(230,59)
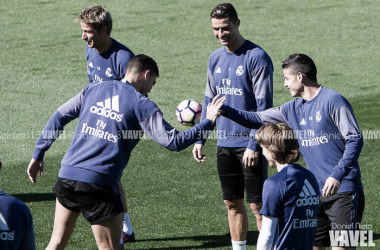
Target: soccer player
(330,141)
(290,197)
(112,117)
(106,57)
(106,60)
(242,72)
(16,224)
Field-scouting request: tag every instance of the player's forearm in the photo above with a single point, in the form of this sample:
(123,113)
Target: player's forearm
(267,233)
(167,136)
(354,145)
(186,138)
(245,118)
(347,125)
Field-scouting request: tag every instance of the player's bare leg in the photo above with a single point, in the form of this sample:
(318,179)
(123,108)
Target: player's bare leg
(256,207)
(107,233)
(237,219)
(64,223)
(127,231)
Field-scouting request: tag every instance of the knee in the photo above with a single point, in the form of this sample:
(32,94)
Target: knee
(234,205)
(256,207)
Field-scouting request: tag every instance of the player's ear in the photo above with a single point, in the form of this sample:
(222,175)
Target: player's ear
(146,74)
(103,30)
(300,76)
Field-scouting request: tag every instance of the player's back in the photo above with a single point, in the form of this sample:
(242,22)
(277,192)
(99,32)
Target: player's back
(109,123)
(294,201)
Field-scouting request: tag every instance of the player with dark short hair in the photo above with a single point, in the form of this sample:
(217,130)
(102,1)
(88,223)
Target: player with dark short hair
(242,72)
(106,61)
(290,197)
(108,113)
(330,141)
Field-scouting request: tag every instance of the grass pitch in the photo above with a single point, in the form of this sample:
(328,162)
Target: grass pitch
(174,202)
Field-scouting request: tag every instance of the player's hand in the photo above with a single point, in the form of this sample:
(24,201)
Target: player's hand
(331,187)
(33,169)
(213,108)
(197,153)
(250,158)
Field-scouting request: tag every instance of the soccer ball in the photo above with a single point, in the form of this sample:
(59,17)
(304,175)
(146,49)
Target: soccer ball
(189,112)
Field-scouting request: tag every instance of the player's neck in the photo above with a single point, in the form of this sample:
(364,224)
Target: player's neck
(106,45)
(236,45)
(310,91)
(280,166)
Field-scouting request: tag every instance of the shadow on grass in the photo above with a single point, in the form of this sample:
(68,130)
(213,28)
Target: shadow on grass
(208,241)
(376,236)
(37,197)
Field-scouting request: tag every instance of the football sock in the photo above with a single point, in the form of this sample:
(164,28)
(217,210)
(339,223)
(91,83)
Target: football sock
(127,227)
(238,245)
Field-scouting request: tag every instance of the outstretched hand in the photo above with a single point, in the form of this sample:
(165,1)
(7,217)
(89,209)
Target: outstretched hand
(213,108)
(34,167)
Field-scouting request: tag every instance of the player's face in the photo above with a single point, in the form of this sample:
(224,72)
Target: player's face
(93,38)
(226,32)
(268,155)
(293,83)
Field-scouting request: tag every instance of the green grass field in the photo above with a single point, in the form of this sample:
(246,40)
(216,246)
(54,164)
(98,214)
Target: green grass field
(174,202)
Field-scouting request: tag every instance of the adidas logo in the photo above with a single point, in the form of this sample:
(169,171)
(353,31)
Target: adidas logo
(303,122)
(107,107)
(218,70)
(5,235)
(309,197)
(91,65)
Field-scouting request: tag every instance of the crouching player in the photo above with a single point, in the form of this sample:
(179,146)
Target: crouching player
(290,197)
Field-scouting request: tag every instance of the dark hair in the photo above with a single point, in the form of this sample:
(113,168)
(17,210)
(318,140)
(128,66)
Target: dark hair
(225,10)
(98,16)
(301,63)
(281,141)
(140,63)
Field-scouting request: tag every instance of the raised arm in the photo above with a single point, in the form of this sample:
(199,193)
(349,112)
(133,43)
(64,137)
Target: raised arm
(164,134)
(253,120)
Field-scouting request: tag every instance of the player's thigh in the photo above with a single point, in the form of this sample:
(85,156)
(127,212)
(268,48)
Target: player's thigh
(108,233)
(98,203)
(64,224)
(347,210)
(322,237)
(230,174)
(340,212)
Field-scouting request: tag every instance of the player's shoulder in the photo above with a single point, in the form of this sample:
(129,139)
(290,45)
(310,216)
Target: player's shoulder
(276,181)
(291,106)
(256,54)
(13,203)
(295,173)
(331,95)
(216,54)
(121,48)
